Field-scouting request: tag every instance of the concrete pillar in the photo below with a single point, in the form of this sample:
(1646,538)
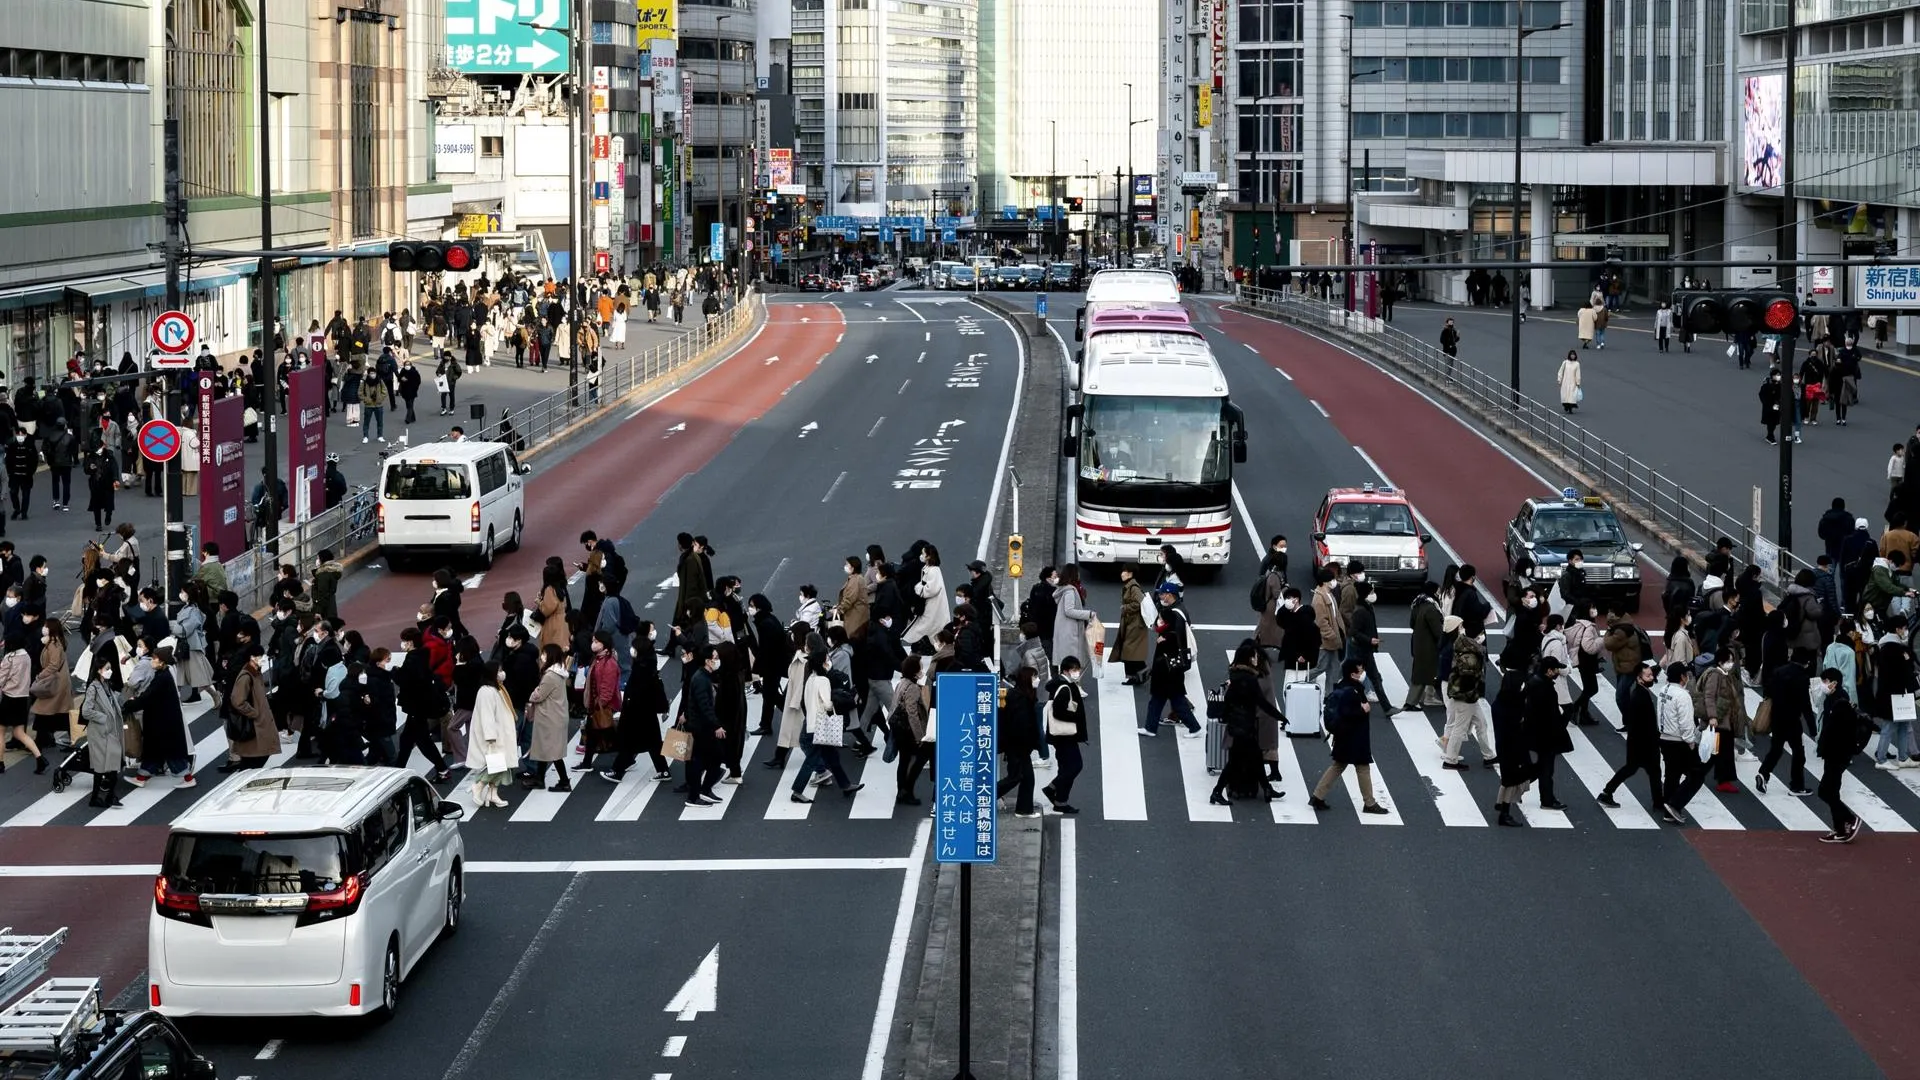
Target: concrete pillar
(1540,213)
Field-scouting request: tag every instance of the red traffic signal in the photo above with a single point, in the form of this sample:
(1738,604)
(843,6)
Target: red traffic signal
(1737,312)
(432,256)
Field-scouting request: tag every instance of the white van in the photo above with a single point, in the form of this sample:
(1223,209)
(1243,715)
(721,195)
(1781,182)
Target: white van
(451,500)
(302,892)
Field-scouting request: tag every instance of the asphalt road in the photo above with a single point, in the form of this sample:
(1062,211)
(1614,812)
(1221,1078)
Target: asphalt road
(1695,417)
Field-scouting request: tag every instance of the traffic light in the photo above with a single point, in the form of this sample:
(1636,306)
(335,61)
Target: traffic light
(433,256)
(1075,204)
(1763,311)
(1015,546)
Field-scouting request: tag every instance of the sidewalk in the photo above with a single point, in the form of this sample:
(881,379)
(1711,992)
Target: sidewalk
(60,536)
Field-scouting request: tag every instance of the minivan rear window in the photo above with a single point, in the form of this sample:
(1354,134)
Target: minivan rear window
(424,480)
(260,865)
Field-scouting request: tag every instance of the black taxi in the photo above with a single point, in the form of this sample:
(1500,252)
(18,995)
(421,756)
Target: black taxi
(1547,529)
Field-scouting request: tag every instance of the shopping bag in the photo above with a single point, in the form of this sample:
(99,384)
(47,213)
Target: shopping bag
(1901,706)
(441,384)
(1149,614)
(1096,647)
(1762,718)
(497,762)
(677,745)
(1579,394)
(719,626)
(1709,745)
(830,731)
(1733,352)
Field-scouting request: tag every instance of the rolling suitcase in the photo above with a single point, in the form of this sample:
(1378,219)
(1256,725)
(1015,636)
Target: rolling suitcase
(1301,703)
(1216,746)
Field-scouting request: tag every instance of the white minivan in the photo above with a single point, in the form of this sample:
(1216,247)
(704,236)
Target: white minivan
(302,892)
(451,500)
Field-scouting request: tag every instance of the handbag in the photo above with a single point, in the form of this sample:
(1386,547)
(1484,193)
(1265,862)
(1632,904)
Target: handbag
(496,762)
(1733,352)
(1901,706)
(1762,718)
(1096,647)
(601,719)
(48,684)
(239,728)
(830,731)
(1217,702)
(677,745)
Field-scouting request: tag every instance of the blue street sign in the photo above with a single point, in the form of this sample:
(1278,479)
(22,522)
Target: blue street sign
(966,722)
(602,190)
(1040,305)
(1043,213)
(1010,212)
(853,233)
(949,236)
(946,220)
(717,241)
(918,234)
(779,253)
(886,234)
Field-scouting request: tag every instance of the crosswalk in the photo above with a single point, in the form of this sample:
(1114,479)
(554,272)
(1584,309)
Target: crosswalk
(1128,780)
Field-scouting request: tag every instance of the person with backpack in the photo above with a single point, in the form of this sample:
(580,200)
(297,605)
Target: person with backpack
(1679,744)
(1628,645)
(618,621)
(1789,707)
(1843,733)
(1640,715)
(1172,657)
(1800,614)
(1347,723)
(1466,688)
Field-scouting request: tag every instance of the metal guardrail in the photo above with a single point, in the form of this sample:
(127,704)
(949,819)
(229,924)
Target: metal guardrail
(1643,493)
(349,527)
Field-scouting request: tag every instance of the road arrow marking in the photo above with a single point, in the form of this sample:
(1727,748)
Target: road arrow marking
(672,582)
(681,426)
(701,993)
(882,318)
(804,318)
(473,582)
(811,426)
(773,360)
(945,424)
(871,357)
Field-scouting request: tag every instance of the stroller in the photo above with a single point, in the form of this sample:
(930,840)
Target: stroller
(73,760)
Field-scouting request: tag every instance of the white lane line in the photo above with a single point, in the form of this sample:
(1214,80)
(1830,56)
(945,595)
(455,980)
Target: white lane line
(1292,810)
(1447,787)
(270,1051)
(912,311)
(768,587)
(1319,408)
(1282,372)
(1068,1037)
(542,803)
(1705,808)
(880,782)
(781,806)
(1539,816)
(1006,441)
(729,793)
(837,338)
(1123,791)
(835,487)
(497,1008)
(903,386)
(929,336)
(1250,348)
(875,427)
(922,357)
(675,1044)
(1499,611)
(1246,519)
(896,958)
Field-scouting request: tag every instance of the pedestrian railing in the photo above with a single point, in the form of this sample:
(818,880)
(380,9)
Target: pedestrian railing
(1653,500)
(349,527)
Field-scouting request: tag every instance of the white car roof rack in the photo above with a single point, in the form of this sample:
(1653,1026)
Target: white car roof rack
(51,1015)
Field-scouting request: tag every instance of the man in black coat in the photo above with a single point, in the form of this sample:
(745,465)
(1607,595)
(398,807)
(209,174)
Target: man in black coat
(1472,607)
(1546,726)
(1347,723)
(876,661)
(1640,715)
(1842,735)
(1167,679)
(703,721)
(519,669)
(1835,525)
(1791,705)
(886,598)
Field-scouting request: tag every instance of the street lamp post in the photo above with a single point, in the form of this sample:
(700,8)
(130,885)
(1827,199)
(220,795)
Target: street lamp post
(1347,232)
(719,147)
(1125,217)
(1520,35)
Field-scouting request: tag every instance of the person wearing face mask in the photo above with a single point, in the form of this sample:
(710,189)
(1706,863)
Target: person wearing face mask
(164,745)
(875,662)
(490,739)
(818,741)
(1276,558)
(703,721)
(1071,617)
(22,461)
(1524,639)
(1347,589)
(1640,713)
(149,620)
(1363,642)
(852,605)
(793,711)
(1173,567)
(1330,624)
(316,653)
(936,614)
(1066,732)
(1019,736)
(52,687)
(1299,633)
(1545,726)
(1572,584)
(373,691)
(1585,647)
(980,588)
(11,571)
(1131,646)
(769,648)
(100,710)
(423,697)
(189,631)
(643,705)
(547,720)
(1428,626)
(1039,607)
(1466,688)
(1243,708)
(886,599)
(908,725)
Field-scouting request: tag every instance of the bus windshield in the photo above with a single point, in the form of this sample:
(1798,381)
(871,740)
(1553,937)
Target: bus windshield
(1155,441)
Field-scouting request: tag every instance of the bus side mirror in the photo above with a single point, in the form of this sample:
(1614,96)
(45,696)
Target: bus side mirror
(1240,450)
(1067,447)
(1079,355)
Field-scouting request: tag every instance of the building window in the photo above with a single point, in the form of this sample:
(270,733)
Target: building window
(857,101)
(1269,73)
(492,146)
(1370,69)
(363,117)
(207,76)
(1279,20)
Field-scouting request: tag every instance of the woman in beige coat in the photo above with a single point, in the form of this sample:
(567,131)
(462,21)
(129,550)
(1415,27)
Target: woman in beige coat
(53,690)
(551,609)
(852,605)
(547,717)
(793,709)
(249,700)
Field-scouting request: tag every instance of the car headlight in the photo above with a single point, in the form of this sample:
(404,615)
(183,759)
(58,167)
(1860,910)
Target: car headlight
(1546,573)
(1215,541)
(1627,570)
(1412,562)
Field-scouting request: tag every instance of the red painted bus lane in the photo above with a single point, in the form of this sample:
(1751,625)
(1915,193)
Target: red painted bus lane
(1466,488)
(612,483)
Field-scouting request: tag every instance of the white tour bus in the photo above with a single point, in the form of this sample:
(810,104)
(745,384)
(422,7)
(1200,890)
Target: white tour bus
(1125,287)
(309,892)
(1154,438)
(451,500)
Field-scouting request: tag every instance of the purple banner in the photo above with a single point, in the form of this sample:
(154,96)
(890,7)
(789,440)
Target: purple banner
(223,470)
(306,442)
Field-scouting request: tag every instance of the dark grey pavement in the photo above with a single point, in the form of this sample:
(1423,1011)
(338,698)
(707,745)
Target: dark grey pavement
(1695,416)
(498,386)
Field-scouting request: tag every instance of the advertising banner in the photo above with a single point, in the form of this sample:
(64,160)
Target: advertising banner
(656,21)
(223,470)
(1763,122)
(306,442)
(779,168)
(966,720)
(494,36)
(454,149)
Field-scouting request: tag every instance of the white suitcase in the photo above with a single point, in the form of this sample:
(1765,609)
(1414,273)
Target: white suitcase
(1301,703)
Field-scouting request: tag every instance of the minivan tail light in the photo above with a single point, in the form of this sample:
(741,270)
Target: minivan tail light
(473,516)
(334,903)
(167,898)
(153,995)
(380,517)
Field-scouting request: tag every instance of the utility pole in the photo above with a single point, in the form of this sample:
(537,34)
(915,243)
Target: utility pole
(270,368)
(580,165)
(1788,245)
(175,204)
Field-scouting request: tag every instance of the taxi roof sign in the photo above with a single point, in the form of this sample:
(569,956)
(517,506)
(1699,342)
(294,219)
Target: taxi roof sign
(1569,495)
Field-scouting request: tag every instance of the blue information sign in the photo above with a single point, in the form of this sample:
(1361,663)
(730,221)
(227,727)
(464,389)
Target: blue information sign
(1040,304)
(966,724)
(853,233)
(1010,212)
(918,234)
(886,234)
(717,241)
(949,236)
